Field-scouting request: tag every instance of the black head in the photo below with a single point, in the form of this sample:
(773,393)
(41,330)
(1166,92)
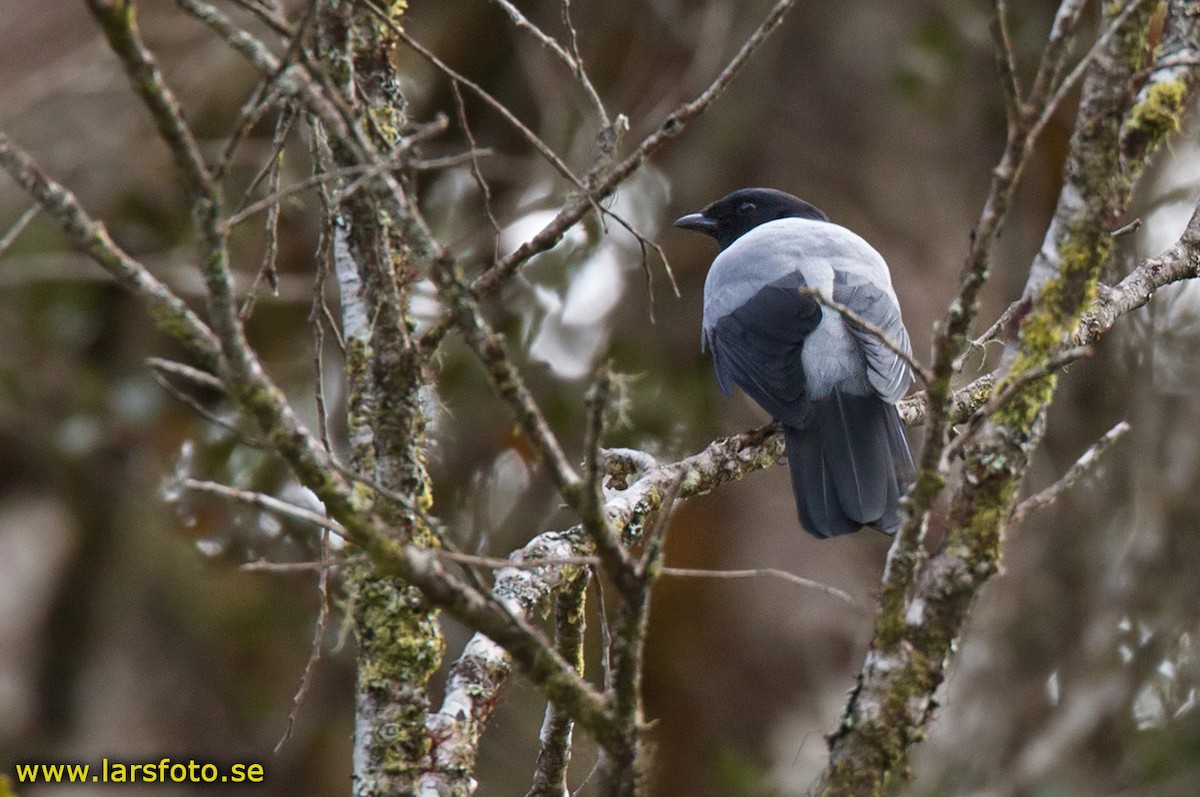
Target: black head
(733,215)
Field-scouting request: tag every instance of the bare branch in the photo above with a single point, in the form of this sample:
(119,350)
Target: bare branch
(617,563)
(195,406)
(272,18)
(1180,262)
(271,225)
(541,146)
(1052,102)
(170,313)
(17,228)
(292,79)
(194,375)
(606,180)
(476,172)
(1058,47)
(963,402)
(268,503)
(1077,471)
(117,20)
(476,677)
(927,596)
(571,59)
(256,106)
(550,772)
(261,566)
(768,572)
(493,353)
(251,387)
(314,654)
(1005,61)
(610,132)
(952,339)
(1010,390)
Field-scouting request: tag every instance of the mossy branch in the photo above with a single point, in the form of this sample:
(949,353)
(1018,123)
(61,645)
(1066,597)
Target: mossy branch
(914,634)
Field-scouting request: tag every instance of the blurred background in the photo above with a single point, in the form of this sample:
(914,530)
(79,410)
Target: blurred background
(129,629)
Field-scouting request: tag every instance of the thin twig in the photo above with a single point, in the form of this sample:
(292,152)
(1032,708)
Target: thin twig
(1127,229)
(921,372)
(184,371)
(1057,49)
(1054,100)
(991,333)
(251,113)
(317,180)
(1069,479)
(654,539)
(768,572)
(605,633)
(272,19)
(646,244)
(493,353)
(606,179)
(195,406)
(263,566)
(317,314)
(118,21)
(18,227)
(1006,62)
(533,138)
(484,189)
(271,225)
(448,161)
(92,238)
(267,502)
(609,131)
(1012,388)
(314,652)
(572,60)
(270,168)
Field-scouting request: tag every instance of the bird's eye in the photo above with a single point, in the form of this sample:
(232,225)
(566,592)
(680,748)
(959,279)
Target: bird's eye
(746,208)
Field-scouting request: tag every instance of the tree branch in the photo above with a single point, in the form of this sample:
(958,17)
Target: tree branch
(550,772)
(1077,471)
(604,180)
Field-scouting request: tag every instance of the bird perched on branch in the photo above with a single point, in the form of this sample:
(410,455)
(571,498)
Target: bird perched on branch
(830,377)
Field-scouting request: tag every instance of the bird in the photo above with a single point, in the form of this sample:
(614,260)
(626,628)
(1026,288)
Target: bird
(830,382)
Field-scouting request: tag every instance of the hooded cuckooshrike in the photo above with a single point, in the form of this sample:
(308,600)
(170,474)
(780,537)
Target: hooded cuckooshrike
(832,385)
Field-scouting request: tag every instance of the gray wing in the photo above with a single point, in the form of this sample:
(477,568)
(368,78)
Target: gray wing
(887,372)
(757,346)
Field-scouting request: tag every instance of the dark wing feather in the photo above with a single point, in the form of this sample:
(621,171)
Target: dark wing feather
(757,347)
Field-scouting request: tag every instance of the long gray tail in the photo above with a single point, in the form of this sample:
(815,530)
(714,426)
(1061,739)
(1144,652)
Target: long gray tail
(849,465)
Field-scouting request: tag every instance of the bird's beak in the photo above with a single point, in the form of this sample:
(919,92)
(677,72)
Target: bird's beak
(697,222)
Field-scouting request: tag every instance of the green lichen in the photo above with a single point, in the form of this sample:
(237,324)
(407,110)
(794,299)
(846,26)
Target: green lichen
(977,535)
(1082,251)
(360,403)
(406,646)
(400,647)
(1156,115)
